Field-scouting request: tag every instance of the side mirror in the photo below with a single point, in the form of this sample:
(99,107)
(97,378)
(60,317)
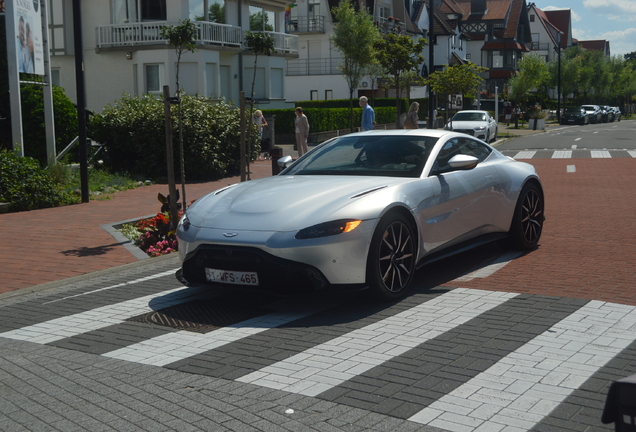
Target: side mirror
(285,161)
(463,162)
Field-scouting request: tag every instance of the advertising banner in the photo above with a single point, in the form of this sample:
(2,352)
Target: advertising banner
(28,25)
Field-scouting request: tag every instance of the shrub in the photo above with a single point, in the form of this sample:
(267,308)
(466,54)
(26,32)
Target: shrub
(327,119)
(25,185)
(64,118)
(133,132)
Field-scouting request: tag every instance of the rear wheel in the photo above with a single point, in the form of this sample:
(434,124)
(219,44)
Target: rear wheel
(527,222)
(391,261)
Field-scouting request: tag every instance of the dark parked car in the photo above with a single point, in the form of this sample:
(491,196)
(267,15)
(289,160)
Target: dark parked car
(575,116)
(594,112)
(607,114)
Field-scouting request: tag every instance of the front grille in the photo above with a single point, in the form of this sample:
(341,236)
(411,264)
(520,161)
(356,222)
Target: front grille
(275,274)
(466,131)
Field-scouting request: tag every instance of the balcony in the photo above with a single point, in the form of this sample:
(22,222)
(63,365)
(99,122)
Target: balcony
(314,66)
(120,36)
(391,25)
(149,33)
(537,46)
(283,43)
(305,24)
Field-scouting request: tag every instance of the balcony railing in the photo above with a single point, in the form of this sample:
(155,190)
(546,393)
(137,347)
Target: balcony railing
(538,46)
(391,25)
(305,24)
(149,33)
(315,66)
(283,42)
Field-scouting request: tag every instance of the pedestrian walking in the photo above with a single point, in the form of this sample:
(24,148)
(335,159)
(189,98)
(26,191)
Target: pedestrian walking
(410,122)
(368,115)
(302,131)
(259,120)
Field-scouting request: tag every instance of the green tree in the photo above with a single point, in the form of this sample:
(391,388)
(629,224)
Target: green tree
(399,54)
(216,13)
(259,43)
(458,79)
(354,35)
(533,73)
(183,38)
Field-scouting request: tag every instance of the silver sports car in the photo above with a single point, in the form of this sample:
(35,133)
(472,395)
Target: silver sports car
(363,210)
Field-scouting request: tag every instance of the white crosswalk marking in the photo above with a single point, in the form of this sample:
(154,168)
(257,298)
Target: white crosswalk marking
(83,322)
(600,154)
(172,347)
(325,366)
(525,386)
(562,154)
(526,154)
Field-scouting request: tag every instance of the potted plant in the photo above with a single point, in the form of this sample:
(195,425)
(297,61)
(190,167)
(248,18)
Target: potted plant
(536,118)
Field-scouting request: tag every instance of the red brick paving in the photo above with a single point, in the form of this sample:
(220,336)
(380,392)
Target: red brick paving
(588,248)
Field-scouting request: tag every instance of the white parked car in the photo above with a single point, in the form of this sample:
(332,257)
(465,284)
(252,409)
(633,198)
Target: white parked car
(474,122)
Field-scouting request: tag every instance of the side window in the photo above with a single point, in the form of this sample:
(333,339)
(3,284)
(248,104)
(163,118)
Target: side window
(466,146)
(474,148)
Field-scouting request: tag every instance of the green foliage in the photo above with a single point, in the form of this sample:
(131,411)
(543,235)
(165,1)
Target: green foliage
(216,13)
(344,103)
(354,35)
(25,185)
(327,119)
(398,55)
(259,21)
(458,79)
(133,131)
(182,36)
(64,118)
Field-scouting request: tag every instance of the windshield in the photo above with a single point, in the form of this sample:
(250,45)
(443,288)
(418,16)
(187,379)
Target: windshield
(367,155)
(469,116)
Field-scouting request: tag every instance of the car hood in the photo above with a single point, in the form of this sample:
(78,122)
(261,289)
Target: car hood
(463,124)
(286,203)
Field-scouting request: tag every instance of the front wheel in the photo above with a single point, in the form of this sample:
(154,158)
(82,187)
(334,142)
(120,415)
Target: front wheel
(391,261)
(527,222)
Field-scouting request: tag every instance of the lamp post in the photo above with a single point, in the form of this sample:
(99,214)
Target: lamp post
(558,50)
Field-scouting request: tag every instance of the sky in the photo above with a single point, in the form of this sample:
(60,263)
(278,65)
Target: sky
(611,20)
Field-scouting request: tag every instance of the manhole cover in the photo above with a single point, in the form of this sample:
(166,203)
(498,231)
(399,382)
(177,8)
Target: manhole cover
(201,316)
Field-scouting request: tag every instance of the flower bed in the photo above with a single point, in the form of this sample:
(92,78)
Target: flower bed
(153,235)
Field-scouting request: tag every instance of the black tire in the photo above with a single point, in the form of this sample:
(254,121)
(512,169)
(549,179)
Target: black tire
(527,222)
(391,260)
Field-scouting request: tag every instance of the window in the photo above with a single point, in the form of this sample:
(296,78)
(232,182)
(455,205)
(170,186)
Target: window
(313,95)
(125,11)
(154,78)
(261,20)
(55,77)
(497,59)
(313,8)
(465,146)
(328,94)
(532,18)
(385,12)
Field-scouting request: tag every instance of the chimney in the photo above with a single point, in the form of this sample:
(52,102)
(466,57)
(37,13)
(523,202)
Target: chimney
(477,7)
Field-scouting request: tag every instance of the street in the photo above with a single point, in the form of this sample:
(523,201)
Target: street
(489,340)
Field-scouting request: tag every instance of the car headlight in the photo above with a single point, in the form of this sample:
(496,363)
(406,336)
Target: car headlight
(327,229)
(480,128)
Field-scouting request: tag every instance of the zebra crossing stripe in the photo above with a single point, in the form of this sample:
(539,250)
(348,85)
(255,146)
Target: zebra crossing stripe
(172,347)
(325,366)
(83,322)
(526,154)
(525,386)
(600,154)
(562,154)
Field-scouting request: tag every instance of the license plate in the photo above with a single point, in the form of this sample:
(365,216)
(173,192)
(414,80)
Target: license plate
(231,277)
(571,120)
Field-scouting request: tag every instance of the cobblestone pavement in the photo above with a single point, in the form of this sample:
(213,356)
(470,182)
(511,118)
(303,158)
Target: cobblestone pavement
(486,342)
